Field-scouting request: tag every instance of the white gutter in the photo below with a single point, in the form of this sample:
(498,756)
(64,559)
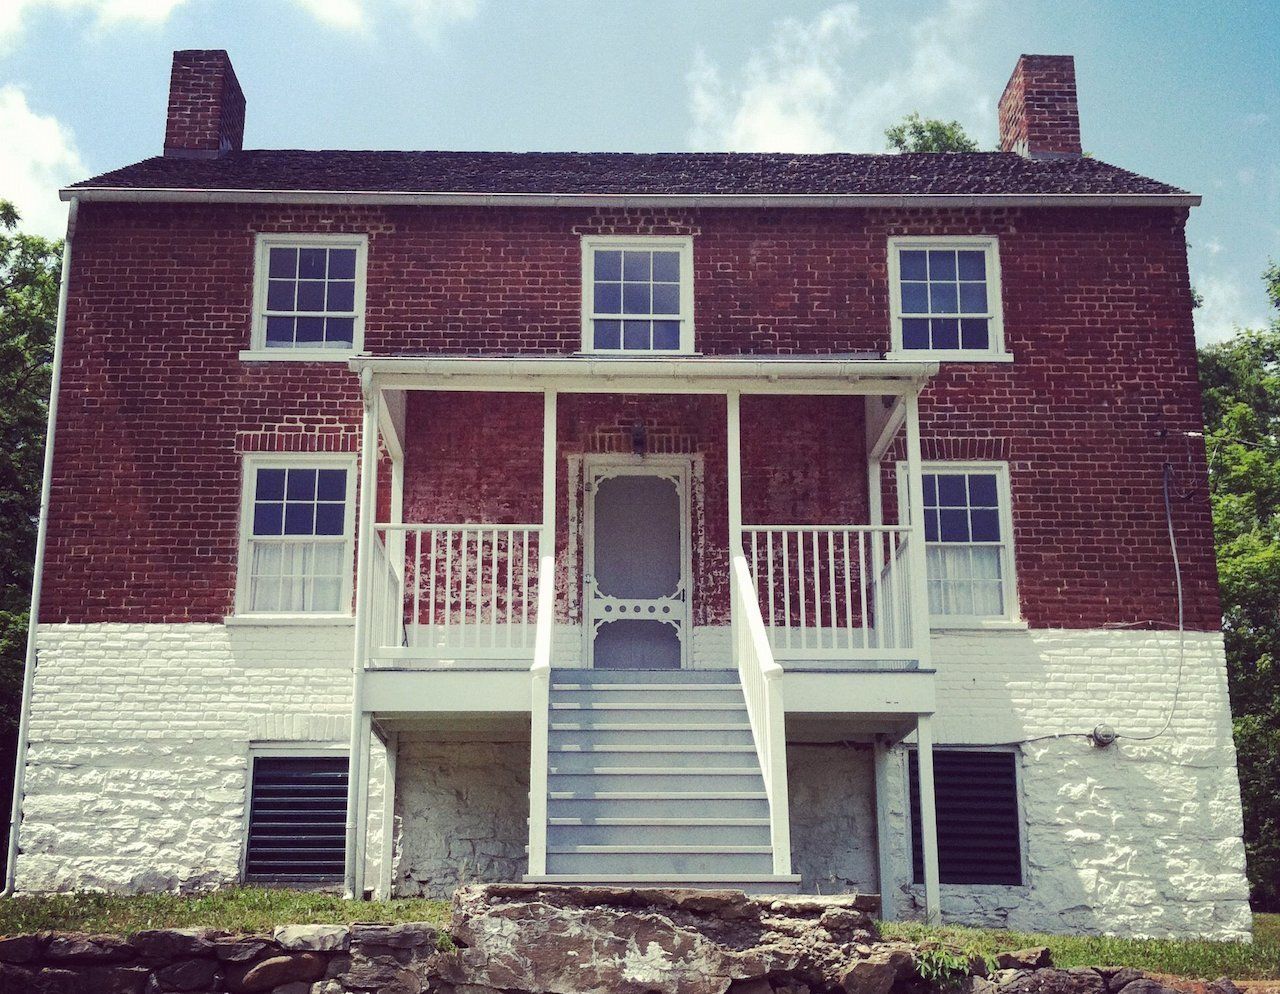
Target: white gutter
(706,369)
(37,578)
(448,199)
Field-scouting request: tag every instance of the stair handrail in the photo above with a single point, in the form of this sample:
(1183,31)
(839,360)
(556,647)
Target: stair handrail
(761,678)
(540,715)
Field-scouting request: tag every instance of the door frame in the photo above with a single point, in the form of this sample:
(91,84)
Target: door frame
(678,468)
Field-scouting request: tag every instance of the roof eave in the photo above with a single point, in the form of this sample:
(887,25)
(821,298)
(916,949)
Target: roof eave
(441,198)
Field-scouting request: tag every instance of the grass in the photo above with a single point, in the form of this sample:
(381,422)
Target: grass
(256,909)
(1183,958)
(238,909)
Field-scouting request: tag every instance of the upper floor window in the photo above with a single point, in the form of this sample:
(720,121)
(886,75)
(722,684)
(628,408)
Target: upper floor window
(296,548)
(967,546)
(945,297)
(309,295)
(637,294)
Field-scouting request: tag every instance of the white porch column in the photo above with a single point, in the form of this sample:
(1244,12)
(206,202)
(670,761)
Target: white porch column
(392,746)
(540,704)
(733,458)
(886,841)
(916,553)
(357,767)
(928,819)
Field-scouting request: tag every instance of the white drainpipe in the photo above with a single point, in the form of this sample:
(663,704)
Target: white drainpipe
(42,530)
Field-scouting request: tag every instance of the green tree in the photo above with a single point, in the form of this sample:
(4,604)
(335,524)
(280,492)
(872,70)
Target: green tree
(30,269)
(1240,380)
(927,134)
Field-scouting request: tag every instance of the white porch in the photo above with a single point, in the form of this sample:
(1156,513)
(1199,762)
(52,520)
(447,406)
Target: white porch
(456,621)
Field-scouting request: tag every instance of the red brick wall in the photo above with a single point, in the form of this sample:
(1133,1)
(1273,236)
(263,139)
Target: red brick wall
(156,404)
(1038,110)
(206,105)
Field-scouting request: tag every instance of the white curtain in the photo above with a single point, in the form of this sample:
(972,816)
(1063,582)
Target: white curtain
(965,580)
(296,576)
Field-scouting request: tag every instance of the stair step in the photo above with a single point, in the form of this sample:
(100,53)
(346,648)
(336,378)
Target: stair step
(608,860)
(644,726)
(658,850)
(651,781)
(648,706)
(636,795)
(754,883)
(650,747)
(733,835)
(666,677)
(681,737)
(658,821)
(662,771)
(665,688)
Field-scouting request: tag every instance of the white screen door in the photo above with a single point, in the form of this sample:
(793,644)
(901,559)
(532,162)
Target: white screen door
(637,577)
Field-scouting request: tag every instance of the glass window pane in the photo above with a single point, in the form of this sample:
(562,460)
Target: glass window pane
(986,525)
(342,296)
(283,262)
(915,333)
(946,333)
(338,331)
(608,298)
(268,519)
(280,295)
(666,334)
(635,265)
(930,490)
(911,265)
(915,298)
(301,484)
(953,525)
(329,519)
(972,265)
(325,592)
(986,563)
(942,264)
(951,490)
(608,335)
(311,263)
(299,519)
(269,484)
(982,490)
(942,298)
(310,330)
(342,264)
(331,484)
(931,525)
(311,295)
(279,332)
(988,596)
(973,298)
(635,298)
(635,335)
(666,298)
(973,334)
(666,267)
(608,265)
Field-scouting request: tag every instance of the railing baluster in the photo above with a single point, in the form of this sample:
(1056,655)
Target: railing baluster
(493,587)
(786,587)
(417,582)
(773,618)
(848,588)
(800,578)
(894,596)
(862,589)
(448,584)
(831,586)
(524,589)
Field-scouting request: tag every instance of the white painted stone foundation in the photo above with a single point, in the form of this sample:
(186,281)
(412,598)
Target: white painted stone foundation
(140,743)
(141,737)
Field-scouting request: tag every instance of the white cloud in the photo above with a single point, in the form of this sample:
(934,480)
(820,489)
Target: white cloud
(836,82)
(104,13)
(428,17)
(1227,305)
(37,156)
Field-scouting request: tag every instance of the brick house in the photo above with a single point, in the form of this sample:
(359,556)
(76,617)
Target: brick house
(776,521)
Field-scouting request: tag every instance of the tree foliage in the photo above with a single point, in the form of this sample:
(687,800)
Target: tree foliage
(1240,380)
(927,134)
(30,268)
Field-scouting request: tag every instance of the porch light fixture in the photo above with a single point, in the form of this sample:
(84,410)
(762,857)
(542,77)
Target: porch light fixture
(639,442)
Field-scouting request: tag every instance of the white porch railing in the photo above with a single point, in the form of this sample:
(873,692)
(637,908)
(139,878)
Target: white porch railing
(831,591)
(761,681)
(464,590)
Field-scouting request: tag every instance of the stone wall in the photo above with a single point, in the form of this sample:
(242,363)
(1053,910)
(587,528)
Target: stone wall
(462,812)
(141,737)
(833,818)
(294,959)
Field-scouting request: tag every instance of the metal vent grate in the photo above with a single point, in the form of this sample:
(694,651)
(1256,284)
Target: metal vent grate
(297,818)
(976,797)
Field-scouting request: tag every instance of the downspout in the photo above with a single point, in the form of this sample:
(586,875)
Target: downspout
(37,578)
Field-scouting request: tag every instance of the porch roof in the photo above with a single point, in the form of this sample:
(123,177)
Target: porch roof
(815,374)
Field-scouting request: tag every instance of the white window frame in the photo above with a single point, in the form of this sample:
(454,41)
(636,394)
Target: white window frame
(254,461)
(258,350)
(1011,618)
(272,750)
(995,351)
(681,243)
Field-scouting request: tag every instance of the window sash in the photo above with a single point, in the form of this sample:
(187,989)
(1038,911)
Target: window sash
(682,318)
(262,281)
(992,281)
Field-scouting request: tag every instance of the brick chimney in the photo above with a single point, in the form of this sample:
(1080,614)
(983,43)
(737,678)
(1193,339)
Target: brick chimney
(206,106)
(1038,113)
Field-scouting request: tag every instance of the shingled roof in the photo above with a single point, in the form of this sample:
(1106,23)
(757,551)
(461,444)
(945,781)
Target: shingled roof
(633,174)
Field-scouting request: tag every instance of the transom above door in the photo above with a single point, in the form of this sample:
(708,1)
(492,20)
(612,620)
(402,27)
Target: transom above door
(637,580)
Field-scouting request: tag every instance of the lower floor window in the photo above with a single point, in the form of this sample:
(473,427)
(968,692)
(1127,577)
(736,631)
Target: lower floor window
(976,802)
(297,818)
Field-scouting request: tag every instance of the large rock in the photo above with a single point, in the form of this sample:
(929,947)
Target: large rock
(1078,980)
(605,940)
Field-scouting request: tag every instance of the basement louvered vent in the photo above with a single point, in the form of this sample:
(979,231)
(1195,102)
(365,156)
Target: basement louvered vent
(297,819)
(976,798)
